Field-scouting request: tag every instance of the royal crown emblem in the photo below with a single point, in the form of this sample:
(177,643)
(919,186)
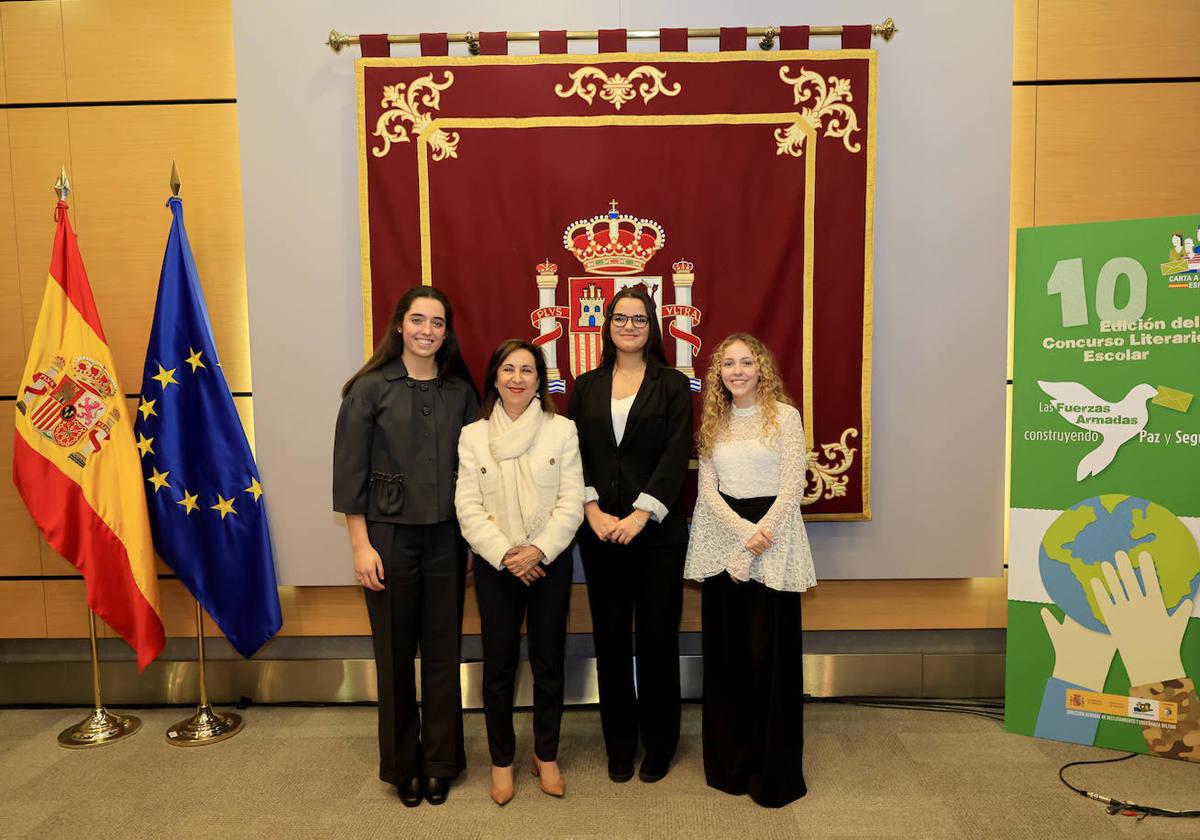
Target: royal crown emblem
(73,406)
(614,243)
(614,249)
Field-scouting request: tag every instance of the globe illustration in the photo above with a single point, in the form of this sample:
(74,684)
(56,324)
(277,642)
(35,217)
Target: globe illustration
(1093,530)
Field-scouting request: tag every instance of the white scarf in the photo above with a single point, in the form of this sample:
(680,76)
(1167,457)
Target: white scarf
(509,441)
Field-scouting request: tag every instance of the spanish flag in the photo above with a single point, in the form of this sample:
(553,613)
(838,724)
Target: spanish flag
(75,462)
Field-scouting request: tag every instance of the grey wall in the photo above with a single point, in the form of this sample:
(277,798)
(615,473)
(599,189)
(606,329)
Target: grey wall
(941,257)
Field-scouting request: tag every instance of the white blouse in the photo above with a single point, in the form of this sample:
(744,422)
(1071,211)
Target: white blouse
(620,415)
(744,465)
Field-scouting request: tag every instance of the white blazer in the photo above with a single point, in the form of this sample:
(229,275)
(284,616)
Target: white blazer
(479,495)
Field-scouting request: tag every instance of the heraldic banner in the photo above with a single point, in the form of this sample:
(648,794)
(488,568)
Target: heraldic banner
(738,187)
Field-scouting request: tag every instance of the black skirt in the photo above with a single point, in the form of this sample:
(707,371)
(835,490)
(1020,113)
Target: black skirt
(753,684)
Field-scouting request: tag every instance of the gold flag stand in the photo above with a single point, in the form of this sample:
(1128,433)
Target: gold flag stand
(206,726)
(101,726)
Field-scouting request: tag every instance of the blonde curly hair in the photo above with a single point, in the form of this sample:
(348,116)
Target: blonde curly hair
(714,418)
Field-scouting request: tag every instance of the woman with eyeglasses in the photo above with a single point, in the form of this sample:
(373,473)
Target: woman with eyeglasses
(634,416)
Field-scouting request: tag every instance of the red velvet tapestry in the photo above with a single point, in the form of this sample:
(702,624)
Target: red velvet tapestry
(737,186)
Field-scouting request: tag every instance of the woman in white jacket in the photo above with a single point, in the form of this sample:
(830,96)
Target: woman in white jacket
(519,501)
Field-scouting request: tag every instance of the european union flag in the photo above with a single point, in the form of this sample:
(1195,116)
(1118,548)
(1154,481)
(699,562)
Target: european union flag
(202,486)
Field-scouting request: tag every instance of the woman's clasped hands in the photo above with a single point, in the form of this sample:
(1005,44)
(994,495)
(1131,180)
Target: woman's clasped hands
(525,562)
(610,528)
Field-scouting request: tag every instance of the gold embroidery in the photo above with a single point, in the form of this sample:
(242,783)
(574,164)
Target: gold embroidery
(830,103)
(618,89)
(405,107)
(828,480)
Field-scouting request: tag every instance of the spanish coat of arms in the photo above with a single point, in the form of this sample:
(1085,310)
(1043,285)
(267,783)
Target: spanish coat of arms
(76,406)
(614,249)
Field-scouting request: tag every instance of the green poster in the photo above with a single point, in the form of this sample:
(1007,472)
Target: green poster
(1103,645)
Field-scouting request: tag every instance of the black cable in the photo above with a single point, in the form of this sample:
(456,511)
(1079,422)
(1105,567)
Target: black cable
(1117,806)
(993,710)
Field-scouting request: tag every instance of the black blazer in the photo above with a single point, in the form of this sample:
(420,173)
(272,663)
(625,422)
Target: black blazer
(395,451)
(654,451)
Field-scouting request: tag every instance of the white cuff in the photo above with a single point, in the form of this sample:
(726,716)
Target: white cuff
(590,494)
(657,510)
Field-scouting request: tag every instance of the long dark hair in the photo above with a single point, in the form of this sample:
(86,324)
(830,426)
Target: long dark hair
(653,351)
(450,362)
(506,349)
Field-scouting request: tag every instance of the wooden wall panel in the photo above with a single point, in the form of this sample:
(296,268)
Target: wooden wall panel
(832,605)
(323,611)
(12,331)
(148,49)
(66,610)
(22,609)
(1116,152)
(34,68)
(245,409)
(122,187)
(39,147)
(1092,39)
(340,610)
(18,536)
(1025,44)
(3,84)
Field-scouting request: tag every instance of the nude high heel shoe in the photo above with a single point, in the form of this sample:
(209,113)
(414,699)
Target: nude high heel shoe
(552,781)
(503,788)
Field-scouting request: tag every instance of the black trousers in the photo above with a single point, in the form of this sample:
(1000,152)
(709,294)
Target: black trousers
(633,587)
(503,603)
(753,685)
(421,606)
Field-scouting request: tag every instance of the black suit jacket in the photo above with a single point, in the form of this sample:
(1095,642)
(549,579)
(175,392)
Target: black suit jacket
(395,450)
(654,451)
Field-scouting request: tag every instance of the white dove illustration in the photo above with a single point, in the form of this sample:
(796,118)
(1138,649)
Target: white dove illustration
(1072,394)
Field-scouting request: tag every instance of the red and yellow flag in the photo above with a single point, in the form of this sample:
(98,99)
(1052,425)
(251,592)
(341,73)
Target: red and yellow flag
(75,462)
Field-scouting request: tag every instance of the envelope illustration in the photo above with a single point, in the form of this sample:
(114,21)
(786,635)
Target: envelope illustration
(1172,399)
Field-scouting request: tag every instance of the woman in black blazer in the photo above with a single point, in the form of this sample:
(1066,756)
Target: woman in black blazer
(634,416)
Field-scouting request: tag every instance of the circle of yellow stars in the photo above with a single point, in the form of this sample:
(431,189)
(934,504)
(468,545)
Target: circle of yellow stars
(190,501)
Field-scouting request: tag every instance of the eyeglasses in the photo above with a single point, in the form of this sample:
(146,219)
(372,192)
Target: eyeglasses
(620,319)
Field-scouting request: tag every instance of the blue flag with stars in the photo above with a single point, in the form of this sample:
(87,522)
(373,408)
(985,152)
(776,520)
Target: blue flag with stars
(206,502)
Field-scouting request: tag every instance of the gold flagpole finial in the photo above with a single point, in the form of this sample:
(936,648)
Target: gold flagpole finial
(62,187)
(176,184)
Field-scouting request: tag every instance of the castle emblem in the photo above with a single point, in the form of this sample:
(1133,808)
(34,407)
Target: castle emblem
(614,249)
(76,407)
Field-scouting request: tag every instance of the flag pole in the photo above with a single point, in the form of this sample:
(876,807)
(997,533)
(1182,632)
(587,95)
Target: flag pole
(205,726)
(101,726)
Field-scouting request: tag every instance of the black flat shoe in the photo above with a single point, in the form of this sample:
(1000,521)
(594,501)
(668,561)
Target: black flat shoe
(410,792)
(620,771)
(652,771)
(436,790)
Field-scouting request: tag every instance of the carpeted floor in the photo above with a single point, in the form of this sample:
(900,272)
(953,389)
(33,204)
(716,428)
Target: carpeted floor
(310,773)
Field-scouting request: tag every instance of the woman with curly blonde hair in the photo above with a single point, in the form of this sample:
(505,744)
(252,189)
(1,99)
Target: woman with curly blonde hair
(749,547)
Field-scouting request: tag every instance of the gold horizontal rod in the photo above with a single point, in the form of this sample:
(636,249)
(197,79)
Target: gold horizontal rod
(886,30)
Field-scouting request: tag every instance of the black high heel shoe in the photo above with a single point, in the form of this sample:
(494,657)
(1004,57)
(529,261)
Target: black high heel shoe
(436,790)
(411,792)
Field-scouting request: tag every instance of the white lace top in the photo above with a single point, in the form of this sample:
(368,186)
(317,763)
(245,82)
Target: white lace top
(744,465)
